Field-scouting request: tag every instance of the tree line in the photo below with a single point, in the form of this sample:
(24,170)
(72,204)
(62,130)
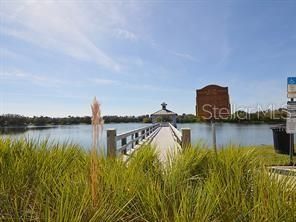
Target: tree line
(19,120)
(275,116)
(267,116)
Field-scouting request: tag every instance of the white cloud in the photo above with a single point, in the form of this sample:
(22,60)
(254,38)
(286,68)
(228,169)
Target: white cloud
(104,81)
(5,53)
(136,87)
(77,29)
(125,34)
(37,79)
(185,56)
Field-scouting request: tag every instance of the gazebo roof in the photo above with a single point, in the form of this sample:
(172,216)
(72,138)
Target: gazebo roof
(164,111)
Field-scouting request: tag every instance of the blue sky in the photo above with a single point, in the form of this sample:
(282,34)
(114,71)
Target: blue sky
(55,56)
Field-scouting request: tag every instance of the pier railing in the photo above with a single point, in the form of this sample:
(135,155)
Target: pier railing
(128,140)
(183,138)
(176,133)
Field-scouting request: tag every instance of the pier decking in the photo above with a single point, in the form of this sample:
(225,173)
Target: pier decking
(164,142)
(164,137)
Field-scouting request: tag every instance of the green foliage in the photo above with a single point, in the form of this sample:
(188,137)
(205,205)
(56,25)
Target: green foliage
(126,119)
(147,120)
(268,156)
(158,119)
(187,118)
(267,116)
(18,120)
(13,120)
(42,181)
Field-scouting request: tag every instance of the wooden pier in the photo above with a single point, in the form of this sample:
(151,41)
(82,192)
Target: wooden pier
(163,136)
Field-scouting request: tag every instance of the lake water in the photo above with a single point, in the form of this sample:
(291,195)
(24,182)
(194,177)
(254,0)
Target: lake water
(242,134)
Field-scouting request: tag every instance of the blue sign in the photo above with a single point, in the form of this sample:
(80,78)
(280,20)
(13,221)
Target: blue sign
(291,80)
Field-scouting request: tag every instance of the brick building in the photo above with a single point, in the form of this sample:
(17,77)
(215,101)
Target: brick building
(212,101)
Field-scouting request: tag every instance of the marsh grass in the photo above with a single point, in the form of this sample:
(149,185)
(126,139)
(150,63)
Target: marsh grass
(97,126)
(42,181)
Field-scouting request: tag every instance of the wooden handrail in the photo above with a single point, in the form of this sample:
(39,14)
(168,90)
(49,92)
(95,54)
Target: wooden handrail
(136,136)
(183,137)
(176,133)
(129,133)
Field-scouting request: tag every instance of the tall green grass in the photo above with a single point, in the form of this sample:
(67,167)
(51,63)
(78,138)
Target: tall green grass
(42,181)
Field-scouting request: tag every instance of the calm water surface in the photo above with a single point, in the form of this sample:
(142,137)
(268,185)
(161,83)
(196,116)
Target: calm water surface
(231,133)
(250,134)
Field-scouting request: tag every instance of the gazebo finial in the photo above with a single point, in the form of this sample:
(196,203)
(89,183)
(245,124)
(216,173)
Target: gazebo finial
(163,105)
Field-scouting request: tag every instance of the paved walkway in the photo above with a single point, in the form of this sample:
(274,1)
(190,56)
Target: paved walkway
(164,142)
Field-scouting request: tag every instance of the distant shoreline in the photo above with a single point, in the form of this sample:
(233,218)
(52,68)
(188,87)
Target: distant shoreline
(47,126)
(14,120)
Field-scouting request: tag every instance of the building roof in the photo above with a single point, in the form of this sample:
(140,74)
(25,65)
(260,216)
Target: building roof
(164,111)
(212,86)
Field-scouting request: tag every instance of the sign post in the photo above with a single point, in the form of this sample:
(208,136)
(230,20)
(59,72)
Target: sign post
(291,118)
(291,87)
(214,135)
(291,126)
(213,124)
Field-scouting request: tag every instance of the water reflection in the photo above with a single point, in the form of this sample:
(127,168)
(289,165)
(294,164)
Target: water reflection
(21,130)
(240,134)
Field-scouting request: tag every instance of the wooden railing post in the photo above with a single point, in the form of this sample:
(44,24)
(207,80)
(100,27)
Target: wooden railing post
(143,134)
(132,140)
(186,137)
(123,142)
(136,137)
(111,142)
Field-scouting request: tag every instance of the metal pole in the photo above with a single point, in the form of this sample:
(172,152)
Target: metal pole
(291,148)
(291,144)
(214,135)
